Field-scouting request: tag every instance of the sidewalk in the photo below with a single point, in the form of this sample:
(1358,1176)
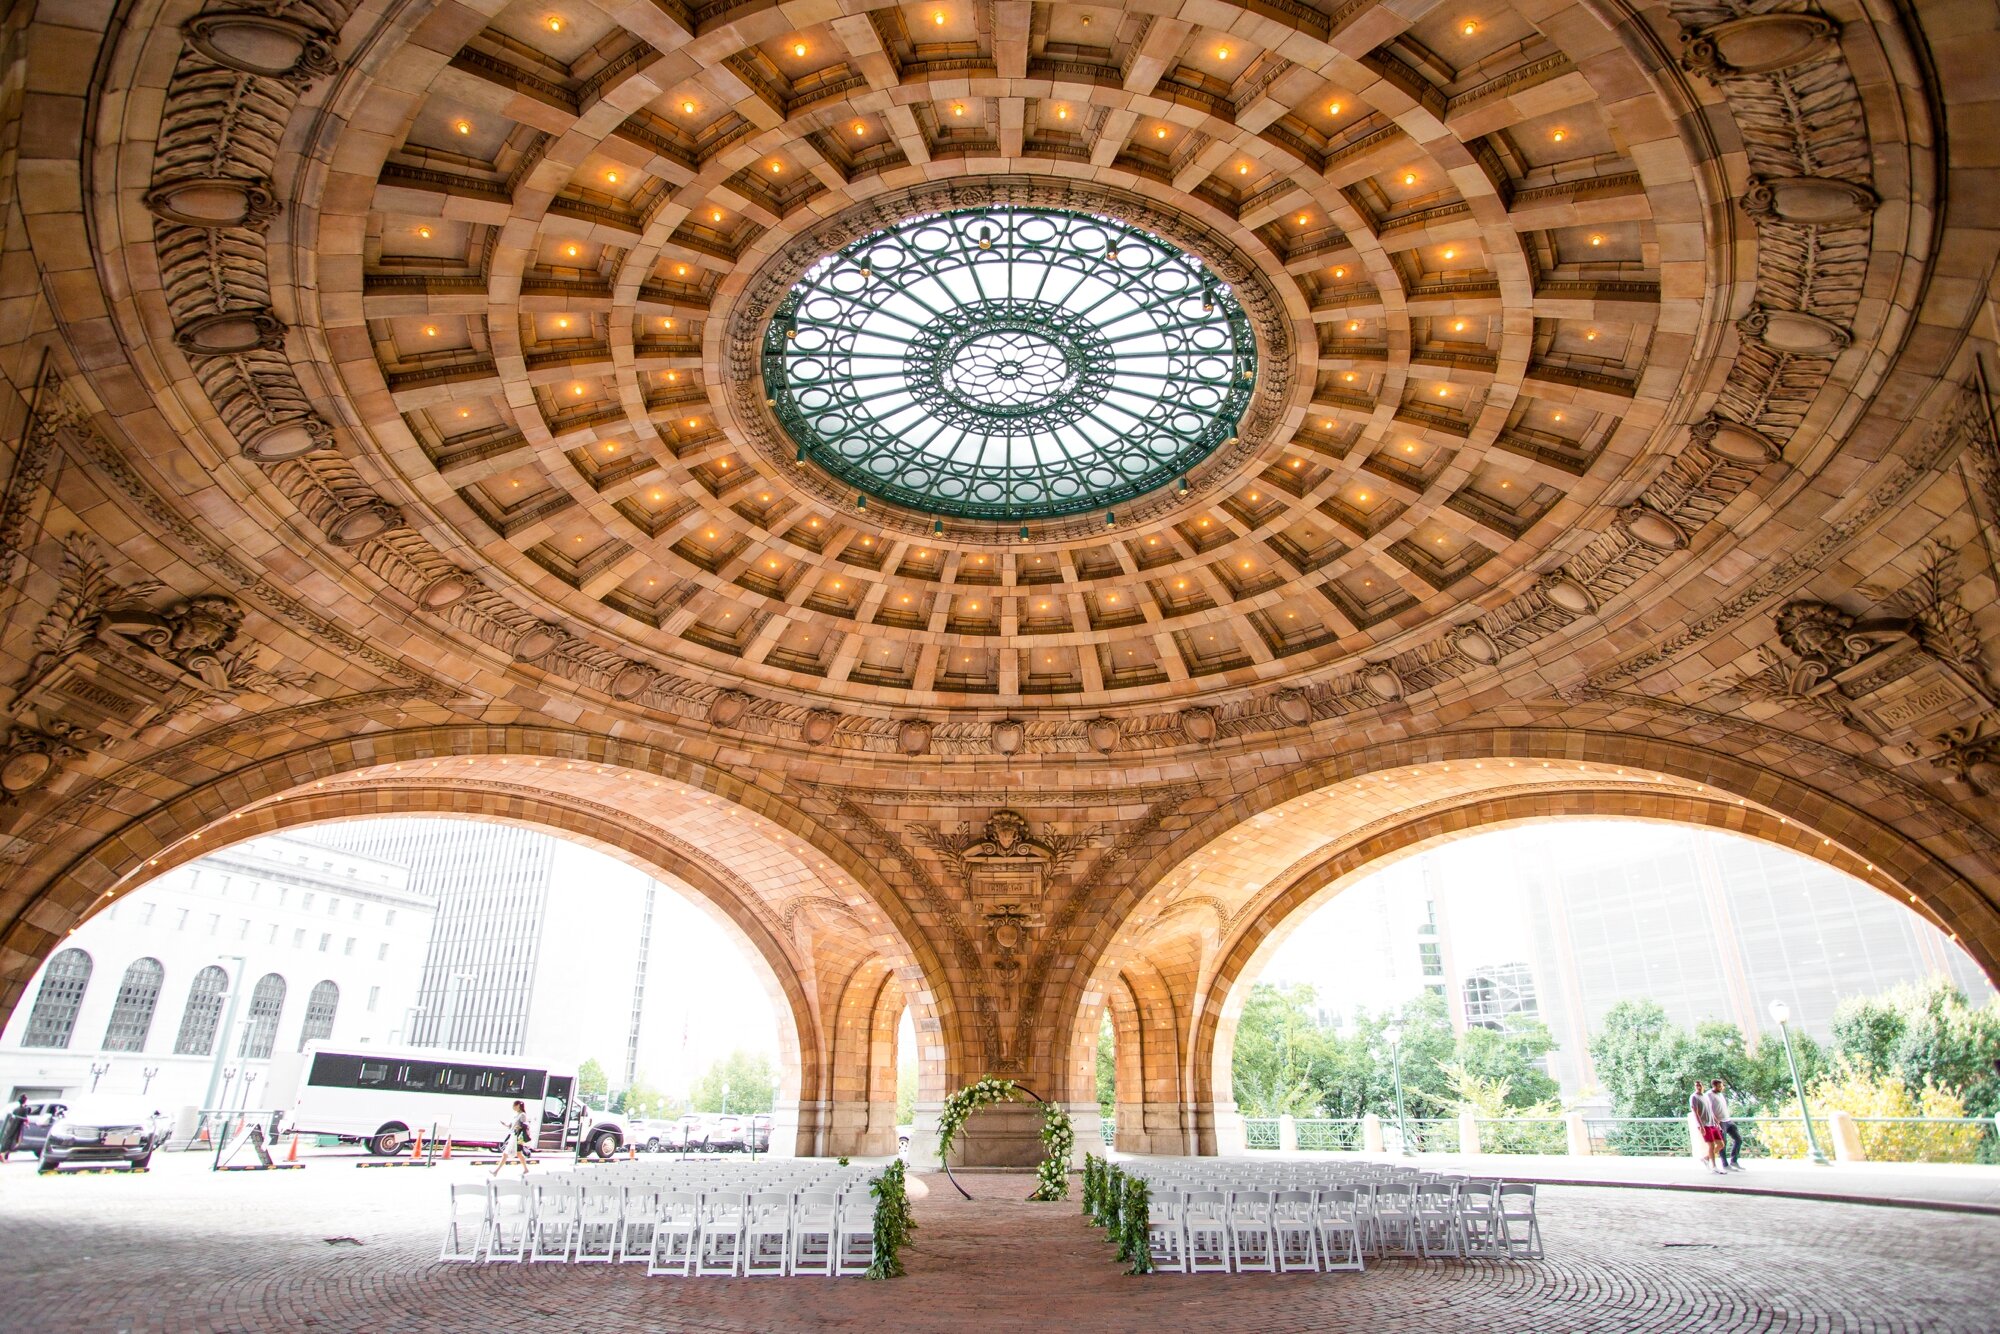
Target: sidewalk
(1951,1186)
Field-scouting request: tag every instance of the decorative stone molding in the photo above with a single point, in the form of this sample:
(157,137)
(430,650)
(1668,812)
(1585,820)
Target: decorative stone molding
(1383,680)
(1757,44)
(1566,594)
(1808,201)
(214,201)
(292,438)
(1009,735)
(230,333)
(1738,444)
(728,707)
(631,681)
(445,590)
(913,736)
(537,641)
(819,727)
(367,521)
(1794,332)
(1655,529)
(1198,725)
(1473,643)
(1294,707)
(31,758)
(263,44)
(1103,734)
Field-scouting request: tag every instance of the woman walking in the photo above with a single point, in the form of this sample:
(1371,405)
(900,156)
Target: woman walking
(517,1142)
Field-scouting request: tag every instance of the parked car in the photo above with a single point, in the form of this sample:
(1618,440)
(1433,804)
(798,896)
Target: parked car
(656,1136)
(105,1130)
(758,1134)
(35,1125)
(712,1132)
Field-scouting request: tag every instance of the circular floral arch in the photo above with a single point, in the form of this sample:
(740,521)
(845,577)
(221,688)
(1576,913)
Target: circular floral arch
(1058,1136)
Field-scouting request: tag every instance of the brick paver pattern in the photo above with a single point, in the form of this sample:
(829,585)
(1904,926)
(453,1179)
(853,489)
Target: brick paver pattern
(181,1250)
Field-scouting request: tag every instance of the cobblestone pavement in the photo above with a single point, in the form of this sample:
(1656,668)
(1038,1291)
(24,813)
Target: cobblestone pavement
(180,1249)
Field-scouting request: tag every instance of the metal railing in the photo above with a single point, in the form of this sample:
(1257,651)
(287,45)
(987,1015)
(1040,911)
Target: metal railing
(1108,1127)
(1430,1134)
(1260,1132)
(1338,1136)
(1522,1134)
(1929,1139)
(1638,1136)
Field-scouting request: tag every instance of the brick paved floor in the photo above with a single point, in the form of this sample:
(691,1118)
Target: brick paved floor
(183,1250)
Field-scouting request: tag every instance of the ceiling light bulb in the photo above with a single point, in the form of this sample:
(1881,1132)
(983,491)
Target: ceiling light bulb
(430,331)
(1450,253)
(1222,53)
(1243,169)
(1160,133)
(463,127)
(1559,416)
(715,216)
(1333,109)
(1597,240)
(1560,135)
(1409,178)
(611,177)
(1591,336)
(424,233)
(1444,393)
(958,108)
(1350,377)
(562,322)
(798,48)
(777,167)
(1304,218)
(1354,326)
(555,24)
(1468,28)
(570,251)
(687,108)
(1361,495)
(859,128)
(1062,113)
(465,412)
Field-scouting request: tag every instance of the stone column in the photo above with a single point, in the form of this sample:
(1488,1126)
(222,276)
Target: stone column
(795,1129)
(1846,1138)
(1218,1129)
(1288,1134)
(1577,1132)
(923,1138)
(1468,1133)
(1697,1146)
(1371,1134)
(1153,1127)
(1087,1120)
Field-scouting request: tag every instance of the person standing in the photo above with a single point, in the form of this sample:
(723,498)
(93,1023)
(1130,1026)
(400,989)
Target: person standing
(1702,1107)
(10,1128)
(582,1129)
(1732,1147)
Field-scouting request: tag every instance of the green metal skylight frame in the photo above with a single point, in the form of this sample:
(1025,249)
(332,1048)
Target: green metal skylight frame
(1009,363)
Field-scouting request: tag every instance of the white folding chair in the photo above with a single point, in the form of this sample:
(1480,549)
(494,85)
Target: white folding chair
(1207,1233)
(1250,1232)
(1293,1232)
(1166,1231)
(1395,1217)
(767,1234)
(639,1205)
(721,1245)
(555,1222)
(815,1220)
(1520,1230)
(510,1220)
(1338,1217)
(676,1233)
(1479,1220)
(600,1219)
(471,1210)
(854,1235)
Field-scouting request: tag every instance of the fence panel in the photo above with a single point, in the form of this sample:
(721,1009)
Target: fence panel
(1260,1132)
(1433,1134)
(1343,1136)
(1523,1134)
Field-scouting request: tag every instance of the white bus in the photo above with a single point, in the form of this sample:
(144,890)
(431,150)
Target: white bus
(381,1097)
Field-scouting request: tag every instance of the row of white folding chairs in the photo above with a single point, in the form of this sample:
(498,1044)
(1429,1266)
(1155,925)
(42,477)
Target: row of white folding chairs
(687,1232)
(1334,1228)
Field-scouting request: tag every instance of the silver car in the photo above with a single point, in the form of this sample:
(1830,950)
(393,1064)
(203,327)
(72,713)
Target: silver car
(105,1130)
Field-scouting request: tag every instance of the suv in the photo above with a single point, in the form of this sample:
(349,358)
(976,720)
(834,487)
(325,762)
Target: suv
(656,1136)
(104,1130)
(713,1132)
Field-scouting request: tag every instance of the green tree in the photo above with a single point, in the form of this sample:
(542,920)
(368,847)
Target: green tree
(906,1088)
(591,1083)
(1928,1034)
(746,1077)
(1643,1060)
(1278,1044)
(1107,1068)
(646,1102)
(1507,1060)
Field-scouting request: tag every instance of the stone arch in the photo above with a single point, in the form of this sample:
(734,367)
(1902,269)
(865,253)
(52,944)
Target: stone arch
(1335,820)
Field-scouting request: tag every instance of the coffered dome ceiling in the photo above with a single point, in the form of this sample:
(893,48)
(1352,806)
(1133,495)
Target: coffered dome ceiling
(982,361)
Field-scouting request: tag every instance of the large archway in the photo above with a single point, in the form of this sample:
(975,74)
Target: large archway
(1169,967)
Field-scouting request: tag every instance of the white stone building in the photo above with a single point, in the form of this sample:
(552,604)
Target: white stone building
(318,943)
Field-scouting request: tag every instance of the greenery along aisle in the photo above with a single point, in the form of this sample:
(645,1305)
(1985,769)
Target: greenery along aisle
(1058,1136)
(893,1224)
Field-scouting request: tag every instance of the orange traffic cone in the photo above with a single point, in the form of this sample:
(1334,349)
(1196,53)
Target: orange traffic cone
(417,1145)
(292,1154)
(202,1138)
(447,1146)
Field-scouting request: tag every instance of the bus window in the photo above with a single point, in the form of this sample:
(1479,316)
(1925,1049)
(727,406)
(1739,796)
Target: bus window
(554,1108)
(514,1082)
(417,1077)
(373,1074)
(450,1079)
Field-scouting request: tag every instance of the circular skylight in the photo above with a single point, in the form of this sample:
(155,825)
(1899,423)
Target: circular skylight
(1009,363)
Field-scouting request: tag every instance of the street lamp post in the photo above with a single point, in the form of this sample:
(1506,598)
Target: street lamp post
(1783,1014)
(1394,1037)
(148,1072)
(97,1069)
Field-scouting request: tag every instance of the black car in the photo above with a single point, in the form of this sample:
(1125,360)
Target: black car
(104,1130)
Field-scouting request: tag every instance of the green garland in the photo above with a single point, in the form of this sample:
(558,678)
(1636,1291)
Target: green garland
(1058,1135)
(1122,1205)
(1058,1142)
(1137,1246)
(1093,1185)
(893,1224)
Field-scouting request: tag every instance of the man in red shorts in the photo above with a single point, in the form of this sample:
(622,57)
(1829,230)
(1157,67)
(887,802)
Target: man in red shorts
(1702,1105)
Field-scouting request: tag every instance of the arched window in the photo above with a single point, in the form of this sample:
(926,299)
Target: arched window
(203,1012)
(260,1034)
(56,1004)
(325,999)
(132,1016)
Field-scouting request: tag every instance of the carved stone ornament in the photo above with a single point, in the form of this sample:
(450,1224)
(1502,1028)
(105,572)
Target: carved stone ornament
(1294,707)
(913,737)
(30,758)
(255,43)
(445,590)
(290,439)
(1382,681)
(214,201)
(1757,44)
(727,709)
(1103,734)
(1737,443)
(1971,756)
(367,521)
(631,681)
(228,333)
(1566,594)
(1653,528)
(1198,725)
(537,641)
(1472,642)
(818,727)
(1808,201)
(1793,331)
(1009,735)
